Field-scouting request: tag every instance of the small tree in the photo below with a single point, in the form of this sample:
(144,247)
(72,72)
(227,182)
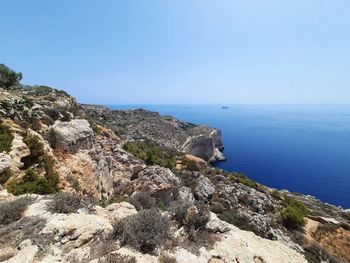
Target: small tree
(293,214)
(8,77)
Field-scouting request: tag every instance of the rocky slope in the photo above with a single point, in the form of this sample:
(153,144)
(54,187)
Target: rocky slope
(52,144)
(140,124)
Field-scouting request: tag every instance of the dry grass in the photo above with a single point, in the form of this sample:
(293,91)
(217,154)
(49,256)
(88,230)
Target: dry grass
(12,211)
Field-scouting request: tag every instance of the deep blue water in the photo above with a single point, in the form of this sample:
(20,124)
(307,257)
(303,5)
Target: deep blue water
(302,148)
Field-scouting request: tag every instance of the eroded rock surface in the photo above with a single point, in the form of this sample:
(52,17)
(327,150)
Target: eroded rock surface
(71,136)
(72,237)
(5,162)
(139,124)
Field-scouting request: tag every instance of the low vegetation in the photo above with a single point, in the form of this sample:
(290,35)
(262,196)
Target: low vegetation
(143,231)
(34,144)
(243,179)
(191,216)
(190,165)
(12,211)
(104,202)
(36,149)
(117,258)
(32,183)
(142,200)
(5,176)
(65,203)
(293,215)
(151,153)
(6,138)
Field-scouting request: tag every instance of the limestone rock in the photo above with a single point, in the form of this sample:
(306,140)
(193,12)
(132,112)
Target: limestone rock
(71,136)
(204,189)
(116,211)
(18,150)
(218,156)
(186,195)
(5,162)
(158,181)
(165,131)
(25,253)
(215,225)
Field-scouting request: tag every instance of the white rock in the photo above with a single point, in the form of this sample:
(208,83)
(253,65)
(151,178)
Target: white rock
(204,189)
(77,228)
(19,149)
(5,162)
(116,211)
(72,136)
(215,225)
(25,254)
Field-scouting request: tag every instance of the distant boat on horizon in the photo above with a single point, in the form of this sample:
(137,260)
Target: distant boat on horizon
(225,107)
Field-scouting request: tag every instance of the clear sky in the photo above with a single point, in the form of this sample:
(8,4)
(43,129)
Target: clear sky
(182,51)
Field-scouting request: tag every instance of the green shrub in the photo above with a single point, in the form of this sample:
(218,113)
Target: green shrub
(6,138)
(41,90)
(8,77)
(5,175)
(143,231)
(243,179)
(64,203)
(32,183)
(11,211)
(36,150)
(190,165)
(35,146)
(293,214)
(151,153)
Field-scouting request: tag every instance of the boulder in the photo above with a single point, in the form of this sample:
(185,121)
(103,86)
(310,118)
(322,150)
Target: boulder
(185,194)
(71,136)
(215,225)
(5,162)
(158,181)
(204,189)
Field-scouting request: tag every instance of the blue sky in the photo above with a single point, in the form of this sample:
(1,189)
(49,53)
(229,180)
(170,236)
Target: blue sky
(182,51)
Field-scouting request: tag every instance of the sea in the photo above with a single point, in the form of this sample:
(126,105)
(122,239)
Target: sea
(301,148)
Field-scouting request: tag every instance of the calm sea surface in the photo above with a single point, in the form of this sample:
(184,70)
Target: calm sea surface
(302,148)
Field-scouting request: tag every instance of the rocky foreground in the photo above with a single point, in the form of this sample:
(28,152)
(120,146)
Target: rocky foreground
(82,183)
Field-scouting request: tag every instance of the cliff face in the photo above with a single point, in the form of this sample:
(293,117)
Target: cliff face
(139,124)
(212,215)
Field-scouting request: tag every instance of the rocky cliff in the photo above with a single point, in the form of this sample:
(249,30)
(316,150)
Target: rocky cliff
(140,124)
(84,183)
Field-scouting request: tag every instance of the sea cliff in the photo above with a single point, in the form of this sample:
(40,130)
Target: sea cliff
(84,183)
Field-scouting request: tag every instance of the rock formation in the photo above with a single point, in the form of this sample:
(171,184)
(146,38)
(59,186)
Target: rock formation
(139,124)
(212,215)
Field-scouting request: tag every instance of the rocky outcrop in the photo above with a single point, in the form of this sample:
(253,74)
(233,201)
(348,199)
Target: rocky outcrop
(71,136)
(139,124)
(91,162)
(204,189)
(5,162)
(80,237)
(158,181)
